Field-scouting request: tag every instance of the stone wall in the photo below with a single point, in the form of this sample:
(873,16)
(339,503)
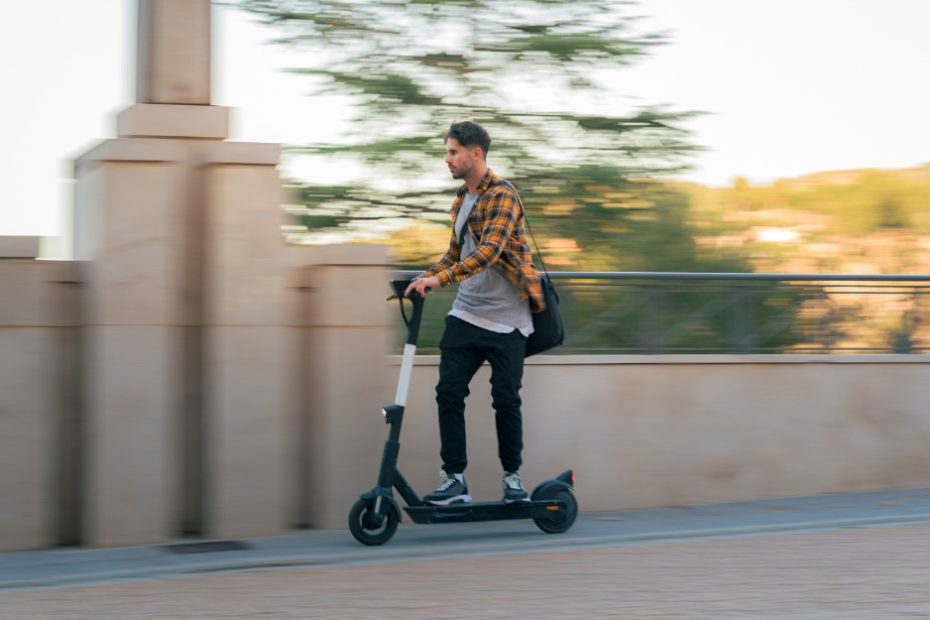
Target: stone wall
(294,373)
(649,431)
(39,416)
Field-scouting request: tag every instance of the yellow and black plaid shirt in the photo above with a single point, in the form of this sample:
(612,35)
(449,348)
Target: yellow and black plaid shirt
(497,222)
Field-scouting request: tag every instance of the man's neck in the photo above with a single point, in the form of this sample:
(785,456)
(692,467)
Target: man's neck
(473,180)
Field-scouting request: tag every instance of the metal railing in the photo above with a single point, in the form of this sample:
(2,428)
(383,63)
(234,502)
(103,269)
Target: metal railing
(740,313)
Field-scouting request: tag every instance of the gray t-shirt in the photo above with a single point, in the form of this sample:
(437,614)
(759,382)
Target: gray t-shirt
(488,299)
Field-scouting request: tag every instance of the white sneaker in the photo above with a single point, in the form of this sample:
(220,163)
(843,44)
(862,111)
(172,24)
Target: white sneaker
(513,488)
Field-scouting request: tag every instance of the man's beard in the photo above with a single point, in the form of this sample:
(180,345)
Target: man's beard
(460,173)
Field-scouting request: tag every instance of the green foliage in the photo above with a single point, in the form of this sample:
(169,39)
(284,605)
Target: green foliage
(540,75)
(535,72)
(847,202)
(902,334)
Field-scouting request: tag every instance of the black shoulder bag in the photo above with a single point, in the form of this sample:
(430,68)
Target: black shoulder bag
(548,330)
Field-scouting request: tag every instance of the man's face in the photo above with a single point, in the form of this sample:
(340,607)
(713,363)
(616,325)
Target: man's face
(460,159)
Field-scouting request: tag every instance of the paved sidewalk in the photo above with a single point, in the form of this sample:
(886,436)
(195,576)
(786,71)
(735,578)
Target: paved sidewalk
(412,543)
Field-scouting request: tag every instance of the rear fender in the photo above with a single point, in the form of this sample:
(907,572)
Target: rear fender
(549,488)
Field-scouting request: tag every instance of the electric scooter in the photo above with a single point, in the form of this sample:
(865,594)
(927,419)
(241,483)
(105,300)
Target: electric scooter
(374,517)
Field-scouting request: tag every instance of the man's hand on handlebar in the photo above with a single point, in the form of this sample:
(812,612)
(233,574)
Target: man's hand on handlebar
(422,285)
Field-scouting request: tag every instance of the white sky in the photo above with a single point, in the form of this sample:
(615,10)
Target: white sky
(793,86)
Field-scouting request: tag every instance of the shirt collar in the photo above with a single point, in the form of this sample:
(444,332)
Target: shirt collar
(489,179)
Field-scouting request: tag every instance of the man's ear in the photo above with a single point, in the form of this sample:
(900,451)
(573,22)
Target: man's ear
(477,153)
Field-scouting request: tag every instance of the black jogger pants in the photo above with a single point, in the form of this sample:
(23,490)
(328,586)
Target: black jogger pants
(464,347)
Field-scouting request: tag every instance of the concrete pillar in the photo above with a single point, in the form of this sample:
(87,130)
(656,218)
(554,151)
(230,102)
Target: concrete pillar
(346,379)
(37,317)
(250,480)
(130,228)
(183,378)
(173,78)
(172,101)
(173,58)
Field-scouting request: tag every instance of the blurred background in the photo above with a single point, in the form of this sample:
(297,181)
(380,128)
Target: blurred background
(651,136)
(720,177)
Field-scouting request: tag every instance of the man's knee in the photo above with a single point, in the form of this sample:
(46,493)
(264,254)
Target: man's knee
(451,392)
(506,401)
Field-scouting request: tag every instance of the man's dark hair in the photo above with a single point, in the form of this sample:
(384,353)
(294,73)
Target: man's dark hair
(469,133)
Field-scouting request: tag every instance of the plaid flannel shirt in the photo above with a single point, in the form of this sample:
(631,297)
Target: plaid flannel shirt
(497,222)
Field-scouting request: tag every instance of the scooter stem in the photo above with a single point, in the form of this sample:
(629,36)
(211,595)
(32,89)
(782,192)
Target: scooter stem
(413,332)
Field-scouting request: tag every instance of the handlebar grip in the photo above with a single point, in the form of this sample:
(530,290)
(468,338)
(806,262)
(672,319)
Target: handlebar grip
(399,287)
(413,322)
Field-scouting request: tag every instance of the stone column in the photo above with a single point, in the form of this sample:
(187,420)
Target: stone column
(185,340)
(139,225)
(173,74)
(173,59)
(250,479)
(129,218)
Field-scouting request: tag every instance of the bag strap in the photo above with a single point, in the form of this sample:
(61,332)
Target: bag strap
(526,220)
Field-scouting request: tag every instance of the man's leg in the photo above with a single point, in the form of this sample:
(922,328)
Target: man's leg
(506,353)
(459,361)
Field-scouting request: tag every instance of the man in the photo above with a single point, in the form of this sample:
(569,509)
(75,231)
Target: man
(490,319)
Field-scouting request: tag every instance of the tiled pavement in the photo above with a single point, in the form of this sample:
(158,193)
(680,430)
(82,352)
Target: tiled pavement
(862,555)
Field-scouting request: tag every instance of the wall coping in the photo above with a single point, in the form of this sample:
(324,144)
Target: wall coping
(167,120)
(19,246)
(692,359)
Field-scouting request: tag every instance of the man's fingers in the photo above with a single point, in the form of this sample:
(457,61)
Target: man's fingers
(420,285)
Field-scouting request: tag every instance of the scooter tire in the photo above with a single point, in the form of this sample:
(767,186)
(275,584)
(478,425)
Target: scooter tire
(362,529)
(565,518)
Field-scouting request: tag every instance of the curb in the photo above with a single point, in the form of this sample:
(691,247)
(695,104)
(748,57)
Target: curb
(369,556)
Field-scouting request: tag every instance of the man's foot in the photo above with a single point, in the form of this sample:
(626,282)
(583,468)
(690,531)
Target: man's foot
(513,488)
(452,490)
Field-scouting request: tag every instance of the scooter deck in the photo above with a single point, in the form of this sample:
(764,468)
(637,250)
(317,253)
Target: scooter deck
(486,511)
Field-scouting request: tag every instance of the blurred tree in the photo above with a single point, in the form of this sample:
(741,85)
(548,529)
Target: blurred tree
(538,73)
(541,76)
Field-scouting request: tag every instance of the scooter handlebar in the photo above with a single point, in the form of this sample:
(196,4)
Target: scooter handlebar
(413,322)
(400,287)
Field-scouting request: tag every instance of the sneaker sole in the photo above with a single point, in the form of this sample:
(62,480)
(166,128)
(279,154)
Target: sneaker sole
(458,499)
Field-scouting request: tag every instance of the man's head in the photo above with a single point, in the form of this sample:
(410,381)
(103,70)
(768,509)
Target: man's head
(467,146)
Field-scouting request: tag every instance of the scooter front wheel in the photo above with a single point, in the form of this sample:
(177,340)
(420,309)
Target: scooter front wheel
(363,528)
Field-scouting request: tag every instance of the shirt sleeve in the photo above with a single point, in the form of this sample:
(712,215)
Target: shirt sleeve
(499,222)
(449,259)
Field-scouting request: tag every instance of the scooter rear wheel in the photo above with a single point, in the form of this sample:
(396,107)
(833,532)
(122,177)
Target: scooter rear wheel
(563,519)
(364,530)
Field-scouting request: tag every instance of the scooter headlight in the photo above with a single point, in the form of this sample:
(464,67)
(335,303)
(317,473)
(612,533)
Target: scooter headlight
(392,413)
